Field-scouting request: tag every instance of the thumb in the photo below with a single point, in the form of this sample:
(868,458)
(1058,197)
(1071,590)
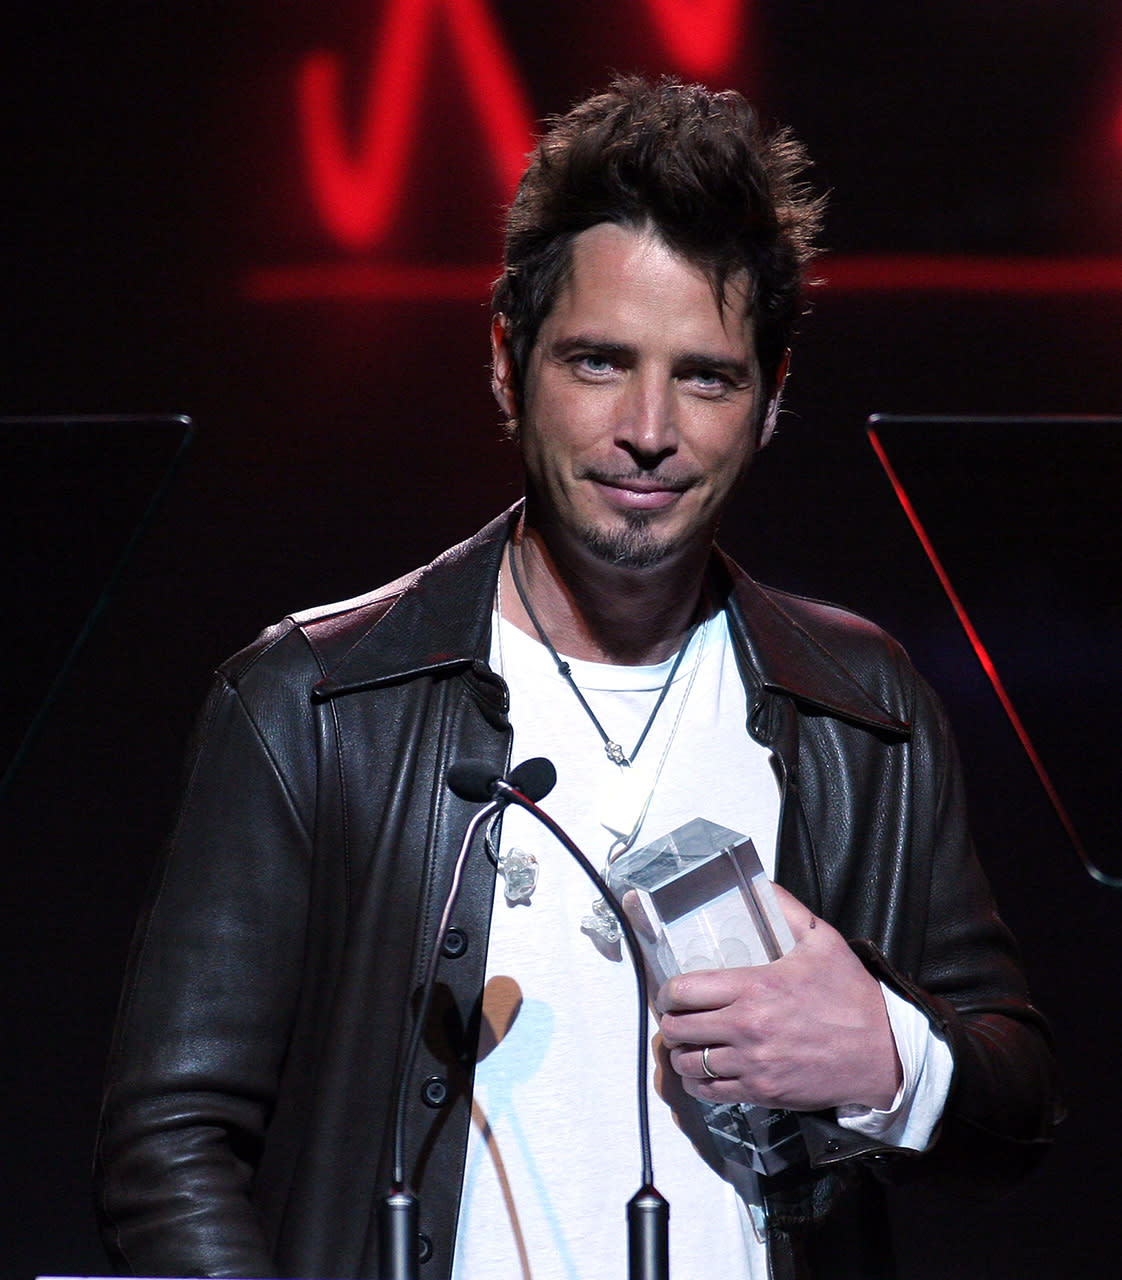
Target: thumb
(800,919)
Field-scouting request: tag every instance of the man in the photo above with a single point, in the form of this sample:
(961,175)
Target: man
(654,262)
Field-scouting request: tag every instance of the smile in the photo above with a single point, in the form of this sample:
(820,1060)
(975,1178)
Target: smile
(640,494)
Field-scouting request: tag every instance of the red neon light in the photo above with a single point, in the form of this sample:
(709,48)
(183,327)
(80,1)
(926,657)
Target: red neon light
(357,187)
(700,35)
(884,273)
(370,282)
(988,665)
(1036,277)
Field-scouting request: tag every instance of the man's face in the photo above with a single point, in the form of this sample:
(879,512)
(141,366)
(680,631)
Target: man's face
(641,406)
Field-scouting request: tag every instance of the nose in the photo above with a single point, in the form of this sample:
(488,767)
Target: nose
(647,427)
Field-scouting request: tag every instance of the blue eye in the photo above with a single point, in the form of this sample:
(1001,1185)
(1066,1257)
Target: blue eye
(596,366)
(709,380)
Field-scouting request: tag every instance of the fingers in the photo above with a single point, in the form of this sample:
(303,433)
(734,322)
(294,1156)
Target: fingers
(690,1030)
(713,1070)
(717,988)
(703,1063)
(709,1073)
(702,989)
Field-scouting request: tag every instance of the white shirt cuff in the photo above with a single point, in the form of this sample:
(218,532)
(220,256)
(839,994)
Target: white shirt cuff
(928,1066)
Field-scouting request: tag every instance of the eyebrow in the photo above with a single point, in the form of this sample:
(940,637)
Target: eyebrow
(565,347)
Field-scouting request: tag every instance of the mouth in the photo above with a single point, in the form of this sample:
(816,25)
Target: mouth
(640,493)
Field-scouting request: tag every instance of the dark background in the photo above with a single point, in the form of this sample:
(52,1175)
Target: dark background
(163,252)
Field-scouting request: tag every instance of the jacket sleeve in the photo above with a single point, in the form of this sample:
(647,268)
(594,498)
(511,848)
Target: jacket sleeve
(1001,1108)
(205,1015)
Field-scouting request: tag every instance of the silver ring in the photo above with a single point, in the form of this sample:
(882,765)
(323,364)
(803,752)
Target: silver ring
(705,1064)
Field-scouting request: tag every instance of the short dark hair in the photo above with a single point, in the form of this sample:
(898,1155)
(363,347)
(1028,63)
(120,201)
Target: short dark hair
(694,165)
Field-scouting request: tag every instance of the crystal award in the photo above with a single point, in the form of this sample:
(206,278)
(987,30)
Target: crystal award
(698,898)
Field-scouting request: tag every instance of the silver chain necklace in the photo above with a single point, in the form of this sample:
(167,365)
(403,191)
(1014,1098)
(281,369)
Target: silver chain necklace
(612,750)
(518,869)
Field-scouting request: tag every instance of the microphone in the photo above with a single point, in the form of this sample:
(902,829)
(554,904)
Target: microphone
(476,780)
(473,780)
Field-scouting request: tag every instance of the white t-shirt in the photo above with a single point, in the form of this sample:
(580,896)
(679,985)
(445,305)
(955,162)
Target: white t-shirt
(553,1154)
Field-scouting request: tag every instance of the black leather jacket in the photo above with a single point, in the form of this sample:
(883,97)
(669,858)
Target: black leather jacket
(246,1122)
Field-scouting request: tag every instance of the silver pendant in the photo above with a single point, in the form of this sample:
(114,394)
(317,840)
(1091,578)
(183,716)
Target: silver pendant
(519,871)
(602,922)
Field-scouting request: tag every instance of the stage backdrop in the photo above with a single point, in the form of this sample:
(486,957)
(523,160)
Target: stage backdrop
(281,219)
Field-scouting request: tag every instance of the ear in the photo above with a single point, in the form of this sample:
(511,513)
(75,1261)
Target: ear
(502,367)
(772,413)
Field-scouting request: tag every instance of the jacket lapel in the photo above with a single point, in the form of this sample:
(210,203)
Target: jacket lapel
(435,620)
(788,659)
(439,619)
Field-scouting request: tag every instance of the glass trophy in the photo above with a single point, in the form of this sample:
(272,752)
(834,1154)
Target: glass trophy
(698,898)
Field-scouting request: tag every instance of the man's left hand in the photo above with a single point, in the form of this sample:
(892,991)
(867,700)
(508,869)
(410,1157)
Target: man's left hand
(808,1031)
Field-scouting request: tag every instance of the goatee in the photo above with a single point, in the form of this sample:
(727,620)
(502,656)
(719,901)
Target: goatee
(632,547)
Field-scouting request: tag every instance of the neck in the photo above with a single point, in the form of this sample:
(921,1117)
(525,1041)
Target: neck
(599,612)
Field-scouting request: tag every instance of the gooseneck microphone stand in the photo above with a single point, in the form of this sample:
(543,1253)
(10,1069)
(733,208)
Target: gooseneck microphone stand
(648,1211)
(399,1209)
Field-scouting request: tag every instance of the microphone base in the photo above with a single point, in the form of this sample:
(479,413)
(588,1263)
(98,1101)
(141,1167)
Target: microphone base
(397,1236)
(648,1235)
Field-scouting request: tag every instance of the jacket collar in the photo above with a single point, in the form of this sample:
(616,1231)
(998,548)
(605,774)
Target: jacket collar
(439,619)
(788,659)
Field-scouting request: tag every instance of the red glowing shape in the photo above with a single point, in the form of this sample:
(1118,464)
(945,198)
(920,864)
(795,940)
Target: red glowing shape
(988,665)
(1026,277)
(357,186)
(700,35)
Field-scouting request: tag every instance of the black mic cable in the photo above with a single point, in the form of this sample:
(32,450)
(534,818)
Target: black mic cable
(648,1212)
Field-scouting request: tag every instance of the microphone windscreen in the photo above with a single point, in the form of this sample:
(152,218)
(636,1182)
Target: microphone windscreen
(472,779)
(535,778)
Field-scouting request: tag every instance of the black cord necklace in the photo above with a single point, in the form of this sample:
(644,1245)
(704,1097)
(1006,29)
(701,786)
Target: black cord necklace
(612,750)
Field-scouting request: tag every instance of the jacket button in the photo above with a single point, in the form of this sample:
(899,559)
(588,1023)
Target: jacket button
(455,944)
(424,1247)
(434,1092)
